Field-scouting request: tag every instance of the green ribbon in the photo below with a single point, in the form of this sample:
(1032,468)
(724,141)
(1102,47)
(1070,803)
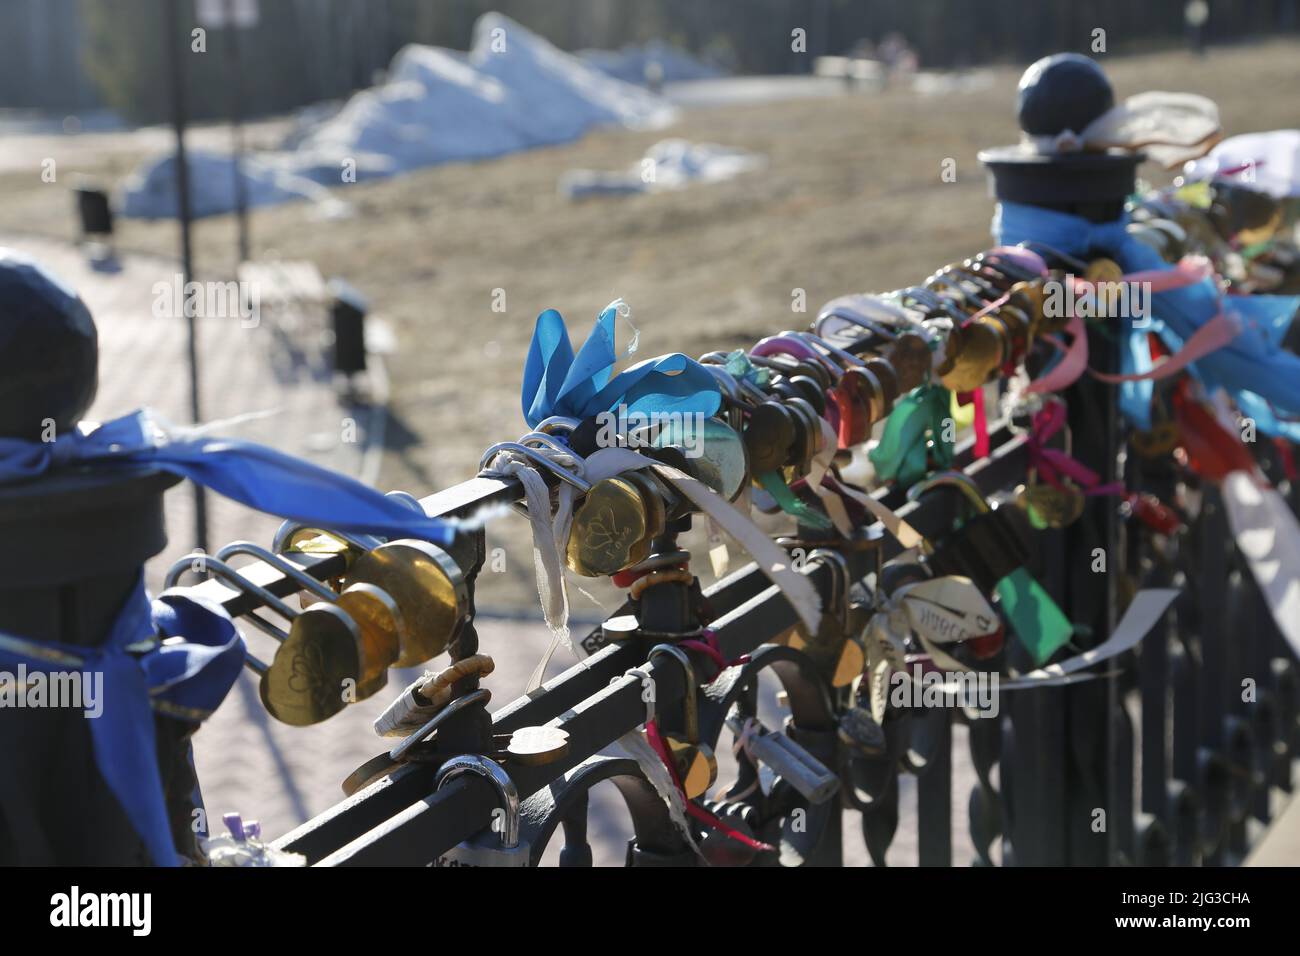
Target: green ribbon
(774,485)
(1041,626)
(914,430)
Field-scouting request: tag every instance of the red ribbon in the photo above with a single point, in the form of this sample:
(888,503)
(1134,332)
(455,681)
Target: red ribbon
(692,808)
(1212,450)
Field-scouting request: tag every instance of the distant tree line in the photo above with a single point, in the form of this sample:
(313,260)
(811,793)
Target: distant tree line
(70,54)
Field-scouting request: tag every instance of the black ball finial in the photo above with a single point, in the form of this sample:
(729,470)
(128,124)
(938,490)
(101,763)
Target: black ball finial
(1065,91)
(49,351)
(1060,92)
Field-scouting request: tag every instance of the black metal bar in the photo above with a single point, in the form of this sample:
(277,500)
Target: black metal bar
(172,35)
(934,802)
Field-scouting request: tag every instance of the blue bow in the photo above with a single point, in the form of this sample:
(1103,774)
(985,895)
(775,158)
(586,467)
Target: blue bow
(556,382)
(185,678)
(1259,375)
(252,474)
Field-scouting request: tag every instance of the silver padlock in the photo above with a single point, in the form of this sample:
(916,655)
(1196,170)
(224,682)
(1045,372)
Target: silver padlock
(498,845)
(790,761)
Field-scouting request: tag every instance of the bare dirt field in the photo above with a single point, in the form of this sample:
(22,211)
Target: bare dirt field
(852,199)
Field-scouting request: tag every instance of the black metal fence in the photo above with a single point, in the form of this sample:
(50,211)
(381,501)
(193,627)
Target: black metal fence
(1169,755)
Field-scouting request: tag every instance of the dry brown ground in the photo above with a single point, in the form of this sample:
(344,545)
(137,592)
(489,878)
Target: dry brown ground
(852,200)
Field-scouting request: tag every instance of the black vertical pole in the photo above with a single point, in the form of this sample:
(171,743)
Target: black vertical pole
(172,38)
(237,128)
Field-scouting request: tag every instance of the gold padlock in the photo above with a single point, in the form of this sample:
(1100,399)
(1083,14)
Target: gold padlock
(379,620)
(980,350)
(317,666)
(694,761)
(428,587)
(1051,506)
(363,610)
(609,530)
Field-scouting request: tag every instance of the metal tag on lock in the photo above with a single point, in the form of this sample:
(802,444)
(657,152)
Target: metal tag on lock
(499,845)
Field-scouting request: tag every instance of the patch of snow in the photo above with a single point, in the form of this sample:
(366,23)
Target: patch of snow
(512,91)
(668,164)
(150,191)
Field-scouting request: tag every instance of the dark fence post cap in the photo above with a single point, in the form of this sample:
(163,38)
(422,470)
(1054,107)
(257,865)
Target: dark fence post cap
(49,350)
(1062,91)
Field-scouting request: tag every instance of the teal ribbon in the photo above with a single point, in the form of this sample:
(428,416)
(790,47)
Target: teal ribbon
(914,431)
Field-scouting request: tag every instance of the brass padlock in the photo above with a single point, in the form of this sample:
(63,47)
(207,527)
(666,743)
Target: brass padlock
(610,528)
(498,845)
(317,667)
(979,350)
(372,610)
(694,761)
(428,587)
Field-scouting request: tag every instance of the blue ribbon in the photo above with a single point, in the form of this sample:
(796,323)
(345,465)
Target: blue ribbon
(1261,377)
(252,474)
(189,678)
(558,382)
(186,678)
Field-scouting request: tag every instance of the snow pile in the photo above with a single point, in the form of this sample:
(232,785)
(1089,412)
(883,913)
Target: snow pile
(512,91)
(656,61)
(150,192)
(668,164)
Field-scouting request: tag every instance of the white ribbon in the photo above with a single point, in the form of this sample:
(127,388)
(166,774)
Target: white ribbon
(1170,128)
(1268,537)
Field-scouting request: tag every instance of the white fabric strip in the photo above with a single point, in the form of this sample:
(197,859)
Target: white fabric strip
(1268,537)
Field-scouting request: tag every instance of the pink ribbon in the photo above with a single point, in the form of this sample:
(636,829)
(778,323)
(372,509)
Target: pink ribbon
(1215,334)
(1052,463)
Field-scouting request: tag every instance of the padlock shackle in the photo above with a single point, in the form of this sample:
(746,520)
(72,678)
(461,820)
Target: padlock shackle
(281,564)
(284,534)
(535,456)
(563,424)
(495,774)
(690,703)
(951,479)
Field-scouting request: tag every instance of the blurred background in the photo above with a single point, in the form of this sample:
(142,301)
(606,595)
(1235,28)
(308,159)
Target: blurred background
(725,167)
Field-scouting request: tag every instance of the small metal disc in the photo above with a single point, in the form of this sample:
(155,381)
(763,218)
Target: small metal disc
(533,746)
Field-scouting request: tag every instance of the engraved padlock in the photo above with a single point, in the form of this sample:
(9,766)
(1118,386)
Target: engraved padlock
(316,669)
(375,613)
(499,844)
(694,761)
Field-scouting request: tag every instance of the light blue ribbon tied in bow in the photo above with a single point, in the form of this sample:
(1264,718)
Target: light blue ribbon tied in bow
(1262,378)
(558,382)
